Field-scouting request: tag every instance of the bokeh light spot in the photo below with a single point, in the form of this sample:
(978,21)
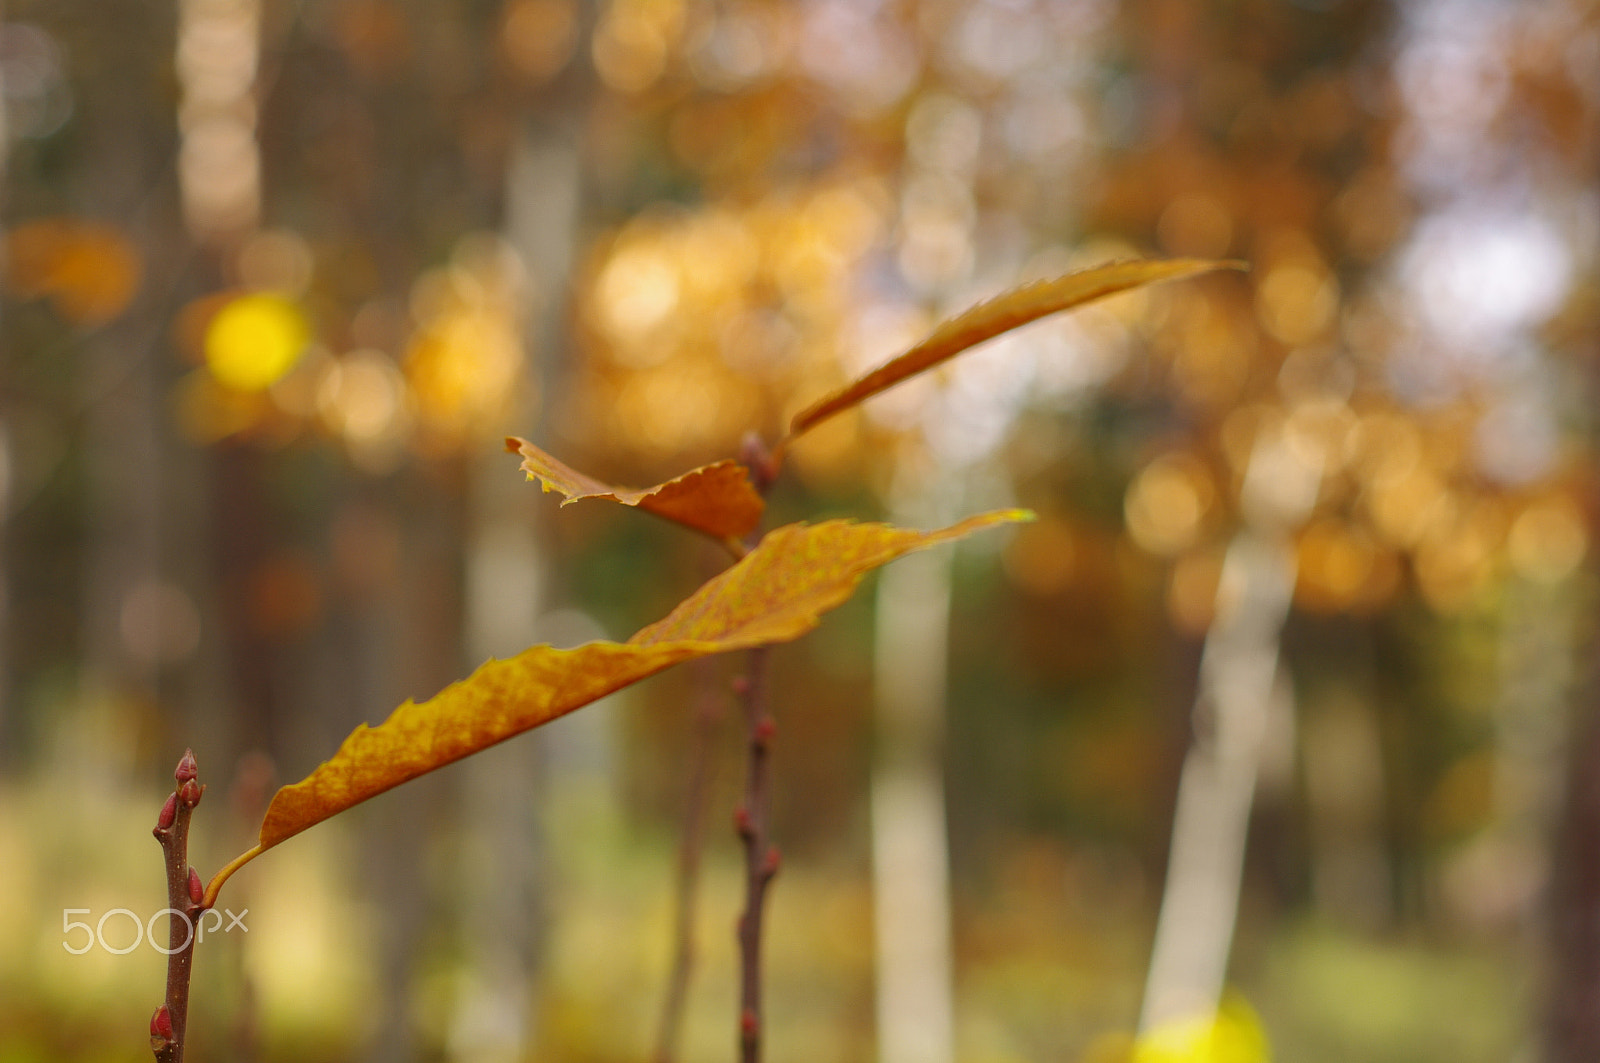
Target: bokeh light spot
(537,36)
(1168,502)
(254,340)
(276,259)
(88,270)
(1547,541)
(1233,1035)
(1336,562)
(1296,303)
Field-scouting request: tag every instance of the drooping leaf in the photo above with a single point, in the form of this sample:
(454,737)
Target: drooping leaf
(776,593)
(716,499)
(1000,314)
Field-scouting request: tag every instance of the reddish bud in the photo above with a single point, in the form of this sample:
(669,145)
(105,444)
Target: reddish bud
(196,891)
(161,1024)
(769,866)
(187,768)
(169,812)
(741,685)
(752,451)
(189,793)
(741,821)
(765,729)
(749,1025)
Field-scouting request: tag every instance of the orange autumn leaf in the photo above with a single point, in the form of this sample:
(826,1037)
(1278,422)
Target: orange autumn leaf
(1001,314)
(716,499)
(776,593)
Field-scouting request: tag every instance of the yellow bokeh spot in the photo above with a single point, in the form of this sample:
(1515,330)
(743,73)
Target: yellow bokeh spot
(1455,560)
(1232,1035)
(1548,540)
(1167,504)
(1296,303)
(254,340)
(1335,561)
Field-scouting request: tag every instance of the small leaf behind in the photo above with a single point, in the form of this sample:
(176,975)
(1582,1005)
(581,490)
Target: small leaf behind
(1000,314)
(717,500)
(777,593)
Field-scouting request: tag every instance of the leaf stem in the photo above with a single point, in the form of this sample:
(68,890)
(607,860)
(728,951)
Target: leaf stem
(184,906)
(226,873)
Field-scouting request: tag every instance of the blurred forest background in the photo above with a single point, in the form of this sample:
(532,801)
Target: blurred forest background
(279,275)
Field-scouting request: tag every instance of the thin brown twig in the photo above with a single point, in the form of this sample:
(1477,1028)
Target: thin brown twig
(760,856)
(751,820)
(169,1025)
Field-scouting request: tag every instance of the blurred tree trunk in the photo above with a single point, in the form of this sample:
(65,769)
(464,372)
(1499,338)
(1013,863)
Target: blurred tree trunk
(7,477)
(1573,1030)
(910,847)
(1239,682)
(509,573)
(123,389)
(507,576)
(412,650)
(1341,751)
(1572,910)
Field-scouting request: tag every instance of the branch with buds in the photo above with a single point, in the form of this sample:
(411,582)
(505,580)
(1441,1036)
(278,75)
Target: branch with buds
(185,902)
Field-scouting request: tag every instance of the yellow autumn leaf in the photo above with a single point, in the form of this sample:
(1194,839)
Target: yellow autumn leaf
(1001,314)
(776,593)
(715,499)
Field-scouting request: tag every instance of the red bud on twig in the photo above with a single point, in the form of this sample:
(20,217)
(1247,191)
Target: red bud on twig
(196,891)
(161,1024)
(741,822)
(187,768)
(764,731)
(169,812)
(189,793)
(769,865)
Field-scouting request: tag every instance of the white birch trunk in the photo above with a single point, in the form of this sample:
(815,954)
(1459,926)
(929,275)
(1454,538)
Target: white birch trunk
(910,854)
(1239,679)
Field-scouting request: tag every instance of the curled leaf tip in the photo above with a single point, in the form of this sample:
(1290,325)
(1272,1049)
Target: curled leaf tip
(717,500)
